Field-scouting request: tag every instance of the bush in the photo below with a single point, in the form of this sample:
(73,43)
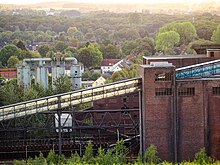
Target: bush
(151,155)
(202,158)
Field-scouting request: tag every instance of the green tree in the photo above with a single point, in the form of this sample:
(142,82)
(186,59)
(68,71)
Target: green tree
(52,158)
(71,30)
(151,155)
(11,92)
(13,61)
(186,31)
(6,52)
(21,45)
(90,56)
(167,40)
(88,157)
(135,18)
(43,50)
(202,158)
(61,46)
(216,35)
(62,84)
(111,51)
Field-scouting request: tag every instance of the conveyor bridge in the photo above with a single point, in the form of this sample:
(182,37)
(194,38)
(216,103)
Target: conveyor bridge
(206,69)
(69,99)
(73,98)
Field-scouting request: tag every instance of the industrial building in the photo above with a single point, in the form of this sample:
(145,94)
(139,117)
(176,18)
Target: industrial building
(174,108)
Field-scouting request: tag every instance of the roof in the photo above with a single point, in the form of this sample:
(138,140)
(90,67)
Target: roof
(174,57)
(109,62)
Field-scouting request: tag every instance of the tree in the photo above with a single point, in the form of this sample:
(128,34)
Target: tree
(111,52)
(62,84)
(13,61)
(88,157)
(61,46)
(151,155)
(202,158)
(216,35)
(6,52)
(71,30)
(21,45)
(135,18)
(43,50)
(186,31)
(90,56)
(167,40)
(12,92)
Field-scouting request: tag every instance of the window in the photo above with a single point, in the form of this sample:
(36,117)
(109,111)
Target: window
(163,91)
(163,77)
(186,91)
(216,90)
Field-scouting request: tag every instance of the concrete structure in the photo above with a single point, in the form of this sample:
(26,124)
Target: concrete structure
(38,69)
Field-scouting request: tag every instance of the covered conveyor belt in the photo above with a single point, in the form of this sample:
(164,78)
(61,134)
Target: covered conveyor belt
(206,69)
(69,99)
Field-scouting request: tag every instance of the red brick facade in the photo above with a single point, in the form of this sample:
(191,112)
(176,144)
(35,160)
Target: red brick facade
(180,116)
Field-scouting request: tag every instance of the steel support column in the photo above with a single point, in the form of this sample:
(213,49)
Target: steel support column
(59,126)
(141,126)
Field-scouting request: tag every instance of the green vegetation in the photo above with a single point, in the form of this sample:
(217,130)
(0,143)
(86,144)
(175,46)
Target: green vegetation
(114,156)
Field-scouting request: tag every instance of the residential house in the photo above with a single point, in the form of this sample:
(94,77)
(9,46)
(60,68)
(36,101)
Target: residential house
(100,81)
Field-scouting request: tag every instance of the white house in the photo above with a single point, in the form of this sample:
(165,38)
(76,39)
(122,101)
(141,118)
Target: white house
(110,65)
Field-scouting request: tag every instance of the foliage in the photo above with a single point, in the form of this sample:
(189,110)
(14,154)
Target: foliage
(151,155)
(88,155)
(125,73)
(111,51)
(90,56)
(186,31)
(90,76)
(13,61)
(167,40)
(43,50)
(12,92)
(202,158)
(52,158)
(62,84)
(6,52)
(135,18)
(216,35)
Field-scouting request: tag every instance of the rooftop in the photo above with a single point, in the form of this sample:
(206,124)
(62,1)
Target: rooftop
(175,57)
(109,62)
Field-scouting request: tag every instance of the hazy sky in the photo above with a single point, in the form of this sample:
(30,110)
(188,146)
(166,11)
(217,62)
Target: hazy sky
(103,1)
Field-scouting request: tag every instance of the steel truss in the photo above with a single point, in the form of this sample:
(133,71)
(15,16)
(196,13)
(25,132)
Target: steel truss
(28,135)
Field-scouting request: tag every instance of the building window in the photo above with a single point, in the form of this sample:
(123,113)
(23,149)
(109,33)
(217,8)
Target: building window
(186,91)
(163,77)
(216,90)
(163,91)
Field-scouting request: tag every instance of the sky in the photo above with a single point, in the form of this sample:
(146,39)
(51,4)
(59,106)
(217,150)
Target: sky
(102,1)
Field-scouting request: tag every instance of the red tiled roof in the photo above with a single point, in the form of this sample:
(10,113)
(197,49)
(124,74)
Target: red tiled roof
(109,62)
(8,72)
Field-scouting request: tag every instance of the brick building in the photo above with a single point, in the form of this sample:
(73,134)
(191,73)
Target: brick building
(179,116)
